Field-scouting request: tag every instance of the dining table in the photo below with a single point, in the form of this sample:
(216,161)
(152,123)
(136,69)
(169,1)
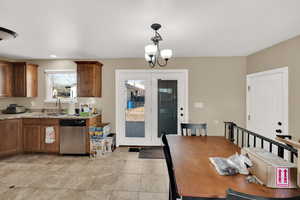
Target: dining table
(196,176)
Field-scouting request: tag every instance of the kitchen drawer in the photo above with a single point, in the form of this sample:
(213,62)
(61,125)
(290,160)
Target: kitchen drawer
(95,121)
(49,121)
(31,121)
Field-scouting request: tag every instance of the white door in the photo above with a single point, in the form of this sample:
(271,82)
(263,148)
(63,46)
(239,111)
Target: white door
(169,103)
(267,102)
(148,104)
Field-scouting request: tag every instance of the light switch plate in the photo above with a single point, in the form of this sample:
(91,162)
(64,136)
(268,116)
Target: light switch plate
(199,105)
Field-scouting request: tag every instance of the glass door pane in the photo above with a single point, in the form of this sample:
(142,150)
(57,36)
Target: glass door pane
(167,107)
(135,109)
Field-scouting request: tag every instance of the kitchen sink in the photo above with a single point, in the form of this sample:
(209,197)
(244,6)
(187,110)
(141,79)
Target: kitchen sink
(55,114)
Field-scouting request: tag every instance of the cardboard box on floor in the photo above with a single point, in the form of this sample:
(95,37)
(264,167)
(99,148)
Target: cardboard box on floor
(296,145)
(271,170)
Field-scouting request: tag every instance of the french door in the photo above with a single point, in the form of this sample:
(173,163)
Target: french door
(149,104)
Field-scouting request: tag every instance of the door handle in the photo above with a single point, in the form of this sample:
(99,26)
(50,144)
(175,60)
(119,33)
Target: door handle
(279,124)
(278,131)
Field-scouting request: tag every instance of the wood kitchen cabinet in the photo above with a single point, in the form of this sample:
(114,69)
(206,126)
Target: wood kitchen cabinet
(53,147)
(10,137)
(6,79)
(25,79)
(89,79)
(95,121)
(34,131)
(32,135)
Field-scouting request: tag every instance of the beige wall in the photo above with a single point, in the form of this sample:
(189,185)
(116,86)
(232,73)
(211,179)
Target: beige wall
(218,82)
(4,102)
(283,54)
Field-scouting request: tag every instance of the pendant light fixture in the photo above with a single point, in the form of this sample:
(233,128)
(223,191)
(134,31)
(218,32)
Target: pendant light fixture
(6,34)
(153,54)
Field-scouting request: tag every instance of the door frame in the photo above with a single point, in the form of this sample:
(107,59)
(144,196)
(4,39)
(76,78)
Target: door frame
(285,72)
(117,98)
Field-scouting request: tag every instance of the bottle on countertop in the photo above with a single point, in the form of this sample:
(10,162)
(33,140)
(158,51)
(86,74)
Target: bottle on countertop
(71,108)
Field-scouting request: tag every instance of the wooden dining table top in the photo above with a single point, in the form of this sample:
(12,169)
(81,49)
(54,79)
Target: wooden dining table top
(196,176)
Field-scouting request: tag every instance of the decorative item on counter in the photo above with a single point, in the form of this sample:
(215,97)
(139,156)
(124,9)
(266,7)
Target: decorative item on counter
(92,106)
(94,110)
(84,110)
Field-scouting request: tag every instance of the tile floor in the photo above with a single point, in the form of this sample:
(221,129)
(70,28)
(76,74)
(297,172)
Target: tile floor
(119,176)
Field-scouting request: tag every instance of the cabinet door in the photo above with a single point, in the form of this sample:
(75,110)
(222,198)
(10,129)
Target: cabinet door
(50,147)
(32,138)
(85,80)
(6,76)
(89,78)
(32,80)
(10,133)
(97,81)
(25,79)
(19,74)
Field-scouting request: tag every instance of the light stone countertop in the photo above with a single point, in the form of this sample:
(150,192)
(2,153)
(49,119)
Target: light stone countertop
(43,115)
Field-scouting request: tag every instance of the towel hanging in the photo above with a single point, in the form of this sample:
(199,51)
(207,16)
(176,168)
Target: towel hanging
(50,135)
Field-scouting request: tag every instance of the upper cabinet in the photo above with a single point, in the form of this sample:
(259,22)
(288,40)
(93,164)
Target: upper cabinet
(6,79)
(89,78)
(25,79)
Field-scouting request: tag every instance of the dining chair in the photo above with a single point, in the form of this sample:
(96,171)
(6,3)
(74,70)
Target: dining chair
(190,129)
(173,192)
(234,195)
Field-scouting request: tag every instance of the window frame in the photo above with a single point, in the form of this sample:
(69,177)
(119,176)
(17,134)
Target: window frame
(48,85)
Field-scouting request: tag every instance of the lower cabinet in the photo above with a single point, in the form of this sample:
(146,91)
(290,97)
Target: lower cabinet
(52,147)
(35,135)
(32,138)
(10,137)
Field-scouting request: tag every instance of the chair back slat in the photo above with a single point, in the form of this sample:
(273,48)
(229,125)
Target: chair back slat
(173,186)
(189,129)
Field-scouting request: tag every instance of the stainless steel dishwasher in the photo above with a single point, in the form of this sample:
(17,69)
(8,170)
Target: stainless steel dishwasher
(73,134)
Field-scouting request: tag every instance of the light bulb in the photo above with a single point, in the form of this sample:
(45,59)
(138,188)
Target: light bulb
(166,53)
(147,57)
(151,49)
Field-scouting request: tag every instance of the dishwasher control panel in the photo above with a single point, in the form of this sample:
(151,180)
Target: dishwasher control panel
(72,122)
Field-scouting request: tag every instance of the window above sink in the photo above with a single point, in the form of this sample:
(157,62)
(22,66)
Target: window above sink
(61,84)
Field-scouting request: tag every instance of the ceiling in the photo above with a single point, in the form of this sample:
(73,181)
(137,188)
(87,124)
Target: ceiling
(121,28)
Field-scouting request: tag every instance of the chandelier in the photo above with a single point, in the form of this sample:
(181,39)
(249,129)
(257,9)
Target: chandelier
(153,54)
(6,34)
